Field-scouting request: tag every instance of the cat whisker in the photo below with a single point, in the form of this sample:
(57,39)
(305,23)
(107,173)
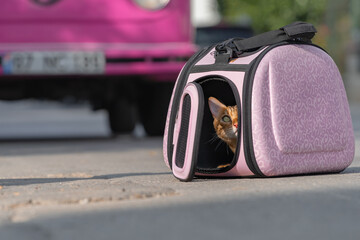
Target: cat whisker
(214,138)
(218,145)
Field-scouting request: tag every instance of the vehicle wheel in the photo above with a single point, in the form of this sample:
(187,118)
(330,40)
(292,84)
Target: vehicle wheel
(153,105)
(122,116)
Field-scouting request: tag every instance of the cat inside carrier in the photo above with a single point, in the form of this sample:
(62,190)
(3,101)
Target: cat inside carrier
(212,153)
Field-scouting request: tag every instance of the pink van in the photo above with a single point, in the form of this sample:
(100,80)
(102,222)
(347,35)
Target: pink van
(122,56)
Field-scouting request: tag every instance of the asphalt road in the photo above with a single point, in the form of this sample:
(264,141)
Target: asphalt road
(63,177)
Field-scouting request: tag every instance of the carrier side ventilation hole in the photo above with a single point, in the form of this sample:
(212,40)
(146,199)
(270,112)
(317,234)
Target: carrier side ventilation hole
(183,134)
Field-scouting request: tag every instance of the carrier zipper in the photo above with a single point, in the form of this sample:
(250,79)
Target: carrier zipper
(177,94)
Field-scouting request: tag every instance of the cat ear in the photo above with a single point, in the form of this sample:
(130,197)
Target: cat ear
(216,107)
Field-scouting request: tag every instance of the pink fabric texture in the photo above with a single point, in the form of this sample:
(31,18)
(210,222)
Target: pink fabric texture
(208,59)
(300,115)
(247,59)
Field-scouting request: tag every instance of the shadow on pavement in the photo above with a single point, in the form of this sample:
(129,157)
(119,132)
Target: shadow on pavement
(56,139)
(327,214)
(351,170)
(29,181)
(53,146)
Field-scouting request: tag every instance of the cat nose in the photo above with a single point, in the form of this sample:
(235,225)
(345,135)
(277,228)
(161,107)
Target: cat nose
(236,125)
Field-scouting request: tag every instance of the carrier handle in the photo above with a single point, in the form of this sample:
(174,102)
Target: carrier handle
(298,31)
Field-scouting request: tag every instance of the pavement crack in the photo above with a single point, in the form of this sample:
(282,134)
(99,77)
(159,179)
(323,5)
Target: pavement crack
(123,196)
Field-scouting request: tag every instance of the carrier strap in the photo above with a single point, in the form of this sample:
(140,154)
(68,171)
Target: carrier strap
(297,31)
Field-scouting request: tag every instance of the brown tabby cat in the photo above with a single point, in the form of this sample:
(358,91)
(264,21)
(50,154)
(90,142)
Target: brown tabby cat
(225,123)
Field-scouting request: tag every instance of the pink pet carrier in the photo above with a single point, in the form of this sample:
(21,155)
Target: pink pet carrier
(293,112)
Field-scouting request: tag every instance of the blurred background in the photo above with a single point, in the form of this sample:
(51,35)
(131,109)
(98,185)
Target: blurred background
(111,71)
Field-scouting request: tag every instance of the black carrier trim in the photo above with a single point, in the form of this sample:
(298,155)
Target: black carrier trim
(181,83)
(218,67)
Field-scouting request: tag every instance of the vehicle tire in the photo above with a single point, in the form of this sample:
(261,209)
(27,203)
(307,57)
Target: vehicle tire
(122,116)
(154,103)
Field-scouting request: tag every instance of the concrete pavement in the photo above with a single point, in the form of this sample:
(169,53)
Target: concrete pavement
(103,188)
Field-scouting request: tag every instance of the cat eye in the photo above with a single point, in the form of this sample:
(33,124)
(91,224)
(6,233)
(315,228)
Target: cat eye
(226,119)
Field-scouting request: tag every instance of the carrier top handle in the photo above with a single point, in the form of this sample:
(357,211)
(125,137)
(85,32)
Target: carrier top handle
(297,31)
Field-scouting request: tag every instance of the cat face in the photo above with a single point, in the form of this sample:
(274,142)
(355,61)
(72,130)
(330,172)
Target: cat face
(225,120)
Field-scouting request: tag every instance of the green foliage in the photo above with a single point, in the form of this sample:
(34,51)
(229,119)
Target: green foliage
(268,15)
(330,17)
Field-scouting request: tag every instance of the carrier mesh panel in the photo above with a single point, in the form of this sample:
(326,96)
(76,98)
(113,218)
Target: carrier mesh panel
(183,135)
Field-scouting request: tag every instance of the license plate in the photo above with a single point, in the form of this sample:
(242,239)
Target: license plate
(54,63)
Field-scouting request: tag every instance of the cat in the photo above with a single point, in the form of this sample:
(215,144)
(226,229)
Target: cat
(225,123)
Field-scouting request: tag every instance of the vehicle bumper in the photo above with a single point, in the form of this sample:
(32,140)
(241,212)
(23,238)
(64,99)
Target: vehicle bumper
(141,59)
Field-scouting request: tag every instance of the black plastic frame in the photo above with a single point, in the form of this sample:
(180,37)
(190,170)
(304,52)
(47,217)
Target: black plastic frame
(238,103)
